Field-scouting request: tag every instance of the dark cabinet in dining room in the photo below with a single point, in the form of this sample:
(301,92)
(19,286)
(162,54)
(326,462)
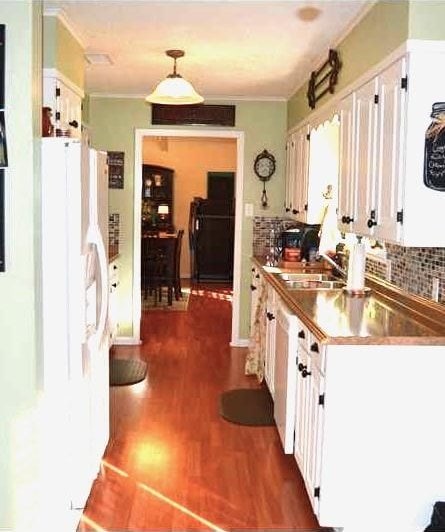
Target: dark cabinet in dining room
(157,197)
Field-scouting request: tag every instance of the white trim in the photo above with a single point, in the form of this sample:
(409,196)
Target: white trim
(59,13)
(206,97)
(126,340)
(54,73)
(241,342)
(188,132)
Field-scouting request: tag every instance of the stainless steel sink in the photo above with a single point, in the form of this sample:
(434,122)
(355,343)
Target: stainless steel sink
(314,284)
(304,276)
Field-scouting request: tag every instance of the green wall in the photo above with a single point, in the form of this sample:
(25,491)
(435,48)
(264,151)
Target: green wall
(387,25)
(62,51)
(382,30)
(20,320)
(113,122)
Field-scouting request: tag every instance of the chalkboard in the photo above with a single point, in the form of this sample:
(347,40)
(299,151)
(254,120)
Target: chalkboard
(115,161)
(434,159)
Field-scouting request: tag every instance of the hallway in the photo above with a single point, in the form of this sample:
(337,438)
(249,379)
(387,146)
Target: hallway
(172,462)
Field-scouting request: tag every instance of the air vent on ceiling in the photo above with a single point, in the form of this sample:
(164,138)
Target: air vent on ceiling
(98,59)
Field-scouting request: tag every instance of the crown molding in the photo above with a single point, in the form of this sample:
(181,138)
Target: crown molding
(206,98)
(60,14)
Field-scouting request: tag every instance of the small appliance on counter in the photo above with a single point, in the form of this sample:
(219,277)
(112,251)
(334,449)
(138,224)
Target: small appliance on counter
(300,242)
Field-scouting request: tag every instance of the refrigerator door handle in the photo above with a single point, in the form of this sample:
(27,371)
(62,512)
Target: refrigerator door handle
(95,238)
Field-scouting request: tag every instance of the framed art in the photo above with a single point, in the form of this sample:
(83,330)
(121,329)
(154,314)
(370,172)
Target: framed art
(115,161)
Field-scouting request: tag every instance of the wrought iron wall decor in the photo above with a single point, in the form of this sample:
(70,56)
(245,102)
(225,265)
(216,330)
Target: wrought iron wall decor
(324,79)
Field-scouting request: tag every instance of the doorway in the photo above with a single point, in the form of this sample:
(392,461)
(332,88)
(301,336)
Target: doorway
(140,134)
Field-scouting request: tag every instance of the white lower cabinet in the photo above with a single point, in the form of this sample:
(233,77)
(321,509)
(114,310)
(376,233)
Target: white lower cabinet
(113,320)
(269,363)
(285,375)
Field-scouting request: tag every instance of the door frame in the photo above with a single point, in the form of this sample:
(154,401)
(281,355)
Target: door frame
(239,182)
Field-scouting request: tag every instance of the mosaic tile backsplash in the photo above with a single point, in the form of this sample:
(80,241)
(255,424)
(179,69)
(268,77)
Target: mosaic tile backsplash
(113,229)
(411,269)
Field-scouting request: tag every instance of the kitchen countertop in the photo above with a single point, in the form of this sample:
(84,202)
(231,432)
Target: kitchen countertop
(386,316)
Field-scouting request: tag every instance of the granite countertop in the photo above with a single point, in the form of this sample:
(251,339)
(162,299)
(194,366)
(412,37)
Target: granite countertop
(386,316)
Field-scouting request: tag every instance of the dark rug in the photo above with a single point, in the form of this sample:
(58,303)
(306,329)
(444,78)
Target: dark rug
(127,371)
(247,406)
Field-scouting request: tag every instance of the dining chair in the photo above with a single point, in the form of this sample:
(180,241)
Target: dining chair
(177,282)
(158,267)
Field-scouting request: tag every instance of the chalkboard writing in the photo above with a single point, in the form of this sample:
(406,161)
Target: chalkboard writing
(434,161)
(115,161)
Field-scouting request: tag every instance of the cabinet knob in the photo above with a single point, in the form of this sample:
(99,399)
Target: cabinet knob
(371,223)
(287,209)
(314,347)
(301,334)
(270,316)
(347,219)
(301,367)
(114,285)
(294,211)
(114,267)
(257,276)
(252,287)
(305,373)
(74,123)
(253,269)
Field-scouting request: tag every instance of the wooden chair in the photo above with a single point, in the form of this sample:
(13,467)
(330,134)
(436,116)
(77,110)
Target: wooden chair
(177,283)
(158,267)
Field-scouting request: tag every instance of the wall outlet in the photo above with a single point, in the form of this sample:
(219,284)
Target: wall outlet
(248,210)
(435,289)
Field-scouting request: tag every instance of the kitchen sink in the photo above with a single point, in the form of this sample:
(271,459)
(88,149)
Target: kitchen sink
(314,284)
(303,276)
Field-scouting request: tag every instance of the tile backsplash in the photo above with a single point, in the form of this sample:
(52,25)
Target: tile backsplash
(113,229)
(411,269)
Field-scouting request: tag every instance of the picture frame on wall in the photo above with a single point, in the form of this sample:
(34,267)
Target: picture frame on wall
(115,161)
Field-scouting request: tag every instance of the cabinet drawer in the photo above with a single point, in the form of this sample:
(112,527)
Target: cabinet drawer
(317,352)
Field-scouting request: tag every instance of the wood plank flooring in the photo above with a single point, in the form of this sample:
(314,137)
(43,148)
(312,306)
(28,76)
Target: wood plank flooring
(172,462)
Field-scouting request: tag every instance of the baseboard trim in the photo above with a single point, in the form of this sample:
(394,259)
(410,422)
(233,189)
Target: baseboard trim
(240,342)
(126,340)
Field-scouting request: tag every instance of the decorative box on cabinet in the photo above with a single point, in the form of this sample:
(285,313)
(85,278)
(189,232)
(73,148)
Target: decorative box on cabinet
(383,125)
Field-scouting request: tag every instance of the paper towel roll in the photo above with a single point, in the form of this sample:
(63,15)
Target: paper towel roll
(356,268)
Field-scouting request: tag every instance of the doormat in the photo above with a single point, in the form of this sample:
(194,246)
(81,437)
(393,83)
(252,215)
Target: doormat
(153,303)
(247,406)
(124,372)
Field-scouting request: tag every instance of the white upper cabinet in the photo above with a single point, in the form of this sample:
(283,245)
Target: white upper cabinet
(301,200)
(65,101)
(383,123)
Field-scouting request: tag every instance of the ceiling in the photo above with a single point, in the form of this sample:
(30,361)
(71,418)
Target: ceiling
(247,49)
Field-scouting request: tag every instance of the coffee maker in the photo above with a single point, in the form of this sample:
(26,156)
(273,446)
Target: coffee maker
(300,242)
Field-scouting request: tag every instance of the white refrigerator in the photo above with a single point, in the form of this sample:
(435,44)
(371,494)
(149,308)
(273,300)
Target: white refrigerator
(75,369)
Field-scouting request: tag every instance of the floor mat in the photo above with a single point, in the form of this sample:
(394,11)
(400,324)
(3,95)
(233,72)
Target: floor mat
(247,406)
(124,372)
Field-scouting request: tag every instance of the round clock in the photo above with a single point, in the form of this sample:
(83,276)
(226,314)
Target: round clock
(264,165)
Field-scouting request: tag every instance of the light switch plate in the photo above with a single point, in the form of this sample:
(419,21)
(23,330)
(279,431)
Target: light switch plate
(248,210)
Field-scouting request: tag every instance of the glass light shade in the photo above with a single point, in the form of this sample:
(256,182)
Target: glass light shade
(163,209)
(174,91)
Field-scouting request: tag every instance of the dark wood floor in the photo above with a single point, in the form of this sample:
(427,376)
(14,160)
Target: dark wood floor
(172,462)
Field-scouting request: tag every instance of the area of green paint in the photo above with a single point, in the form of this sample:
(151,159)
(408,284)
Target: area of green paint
(380,32)
(426,19)
(113,122)
(62,51)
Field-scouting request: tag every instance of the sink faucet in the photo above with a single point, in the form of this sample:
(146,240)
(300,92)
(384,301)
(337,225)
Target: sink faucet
(334,264)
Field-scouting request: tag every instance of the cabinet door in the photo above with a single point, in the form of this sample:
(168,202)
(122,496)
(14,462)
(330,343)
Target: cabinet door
(391,137)
(271,321)
(300,201)
(346,164)
(364,153)
(314,434)
(290,174)
(300,409)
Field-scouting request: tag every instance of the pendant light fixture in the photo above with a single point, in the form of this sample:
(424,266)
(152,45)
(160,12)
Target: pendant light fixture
(174,89)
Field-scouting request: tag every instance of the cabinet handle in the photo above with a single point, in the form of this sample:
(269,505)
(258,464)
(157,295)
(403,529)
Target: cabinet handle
(301,367)
(371,223)
(253,269)
(314,347)
(114,285)
(287,209)
(252,287)
(301,334)
(347,219)
(114,267)
(270,316)
(305,373)
(257,276)
(294,211)
(73,123)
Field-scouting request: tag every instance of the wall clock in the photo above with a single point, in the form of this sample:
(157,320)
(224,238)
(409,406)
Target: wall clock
(264,167)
